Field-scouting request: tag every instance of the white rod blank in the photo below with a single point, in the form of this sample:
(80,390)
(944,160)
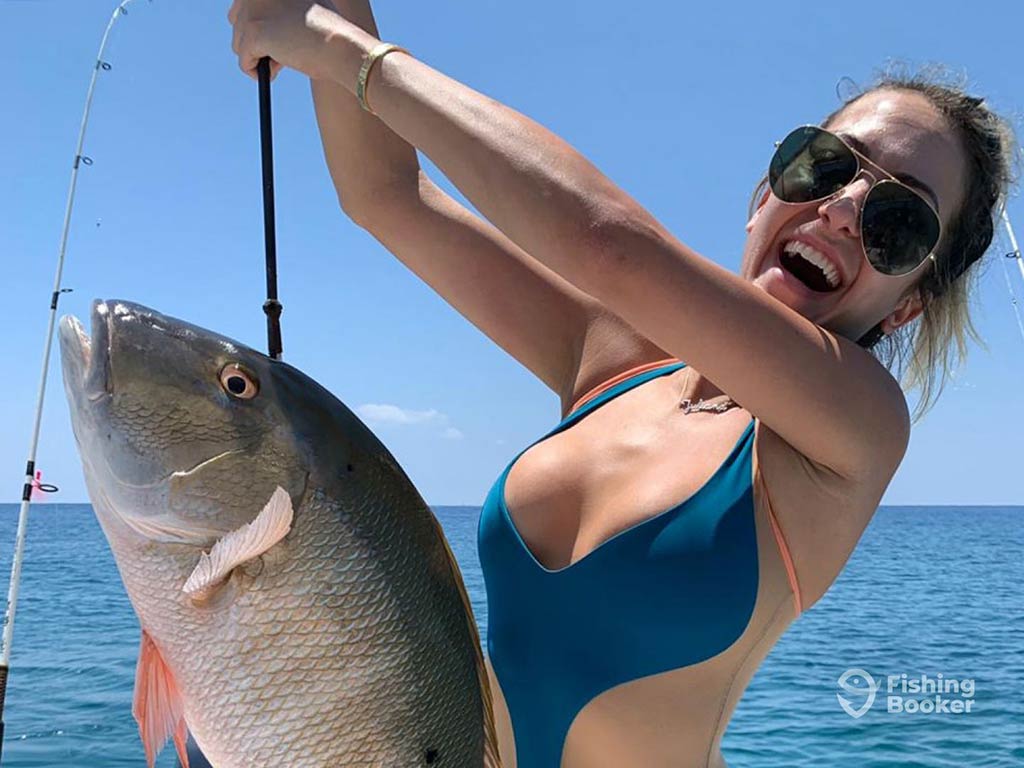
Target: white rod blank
(19,542)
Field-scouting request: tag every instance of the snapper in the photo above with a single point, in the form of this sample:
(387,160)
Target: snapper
(298,601)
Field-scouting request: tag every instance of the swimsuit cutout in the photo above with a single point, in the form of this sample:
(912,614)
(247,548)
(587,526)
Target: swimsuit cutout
(666,593)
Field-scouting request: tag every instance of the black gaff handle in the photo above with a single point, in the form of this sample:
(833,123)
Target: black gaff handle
(272,307)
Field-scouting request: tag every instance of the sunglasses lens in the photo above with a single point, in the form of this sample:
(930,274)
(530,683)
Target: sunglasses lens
(810,164)
(899,228)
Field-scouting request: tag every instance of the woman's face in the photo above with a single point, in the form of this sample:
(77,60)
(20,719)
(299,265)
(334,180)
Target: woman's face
(903,134)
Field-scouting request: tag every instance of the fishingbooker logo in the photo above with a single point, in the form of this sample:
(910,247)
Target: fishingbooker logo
(862,686)
(905,694)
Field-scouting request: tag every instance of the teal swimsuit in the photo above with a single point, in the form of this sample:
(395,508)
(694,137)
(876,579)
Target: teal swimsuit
(669,592)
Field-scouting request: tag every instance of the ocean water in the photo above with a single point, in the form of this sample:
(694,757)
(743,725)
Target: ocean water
(930,591)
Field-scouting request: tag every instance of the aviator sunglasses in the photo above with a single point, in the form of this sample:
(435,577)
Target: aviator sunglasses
(899,228)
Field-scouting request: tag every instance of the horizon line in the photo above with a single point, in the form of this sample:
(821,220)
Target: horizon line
(480,504)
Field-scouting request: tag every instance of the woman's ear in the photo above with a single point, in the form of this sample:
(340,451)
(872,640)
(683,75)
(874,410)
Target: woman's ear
(910,306)
(757,211)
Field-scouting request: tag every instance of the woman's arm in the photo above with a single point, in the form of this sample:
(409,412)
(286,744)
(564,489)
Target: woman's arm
(365,157)
(823,394)
(555,330)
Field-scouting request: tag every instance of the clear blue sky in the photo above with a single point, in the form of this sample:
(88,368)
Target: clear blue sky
(678,103)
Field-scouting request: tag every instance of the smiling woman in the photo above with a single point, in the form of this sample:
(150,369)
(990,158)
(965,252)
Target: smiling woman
(643,557)
(937,344)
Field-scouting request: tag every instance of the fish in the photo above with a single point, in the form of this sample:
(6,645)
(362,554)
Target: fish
(299,604)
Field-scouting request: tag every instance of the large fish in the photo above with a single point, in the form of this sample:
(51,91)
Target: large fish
(299,604)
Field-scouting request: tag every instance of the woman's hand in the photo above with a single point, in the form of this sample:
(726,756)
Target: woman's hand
(293,33)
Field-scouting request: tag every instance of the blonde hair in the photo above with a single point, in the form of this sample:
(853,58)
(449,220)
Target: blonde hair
(935,344)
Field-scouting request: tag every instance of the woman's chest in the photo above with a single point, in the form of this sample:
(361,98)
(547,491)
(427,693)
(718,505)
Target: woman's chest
(577,489)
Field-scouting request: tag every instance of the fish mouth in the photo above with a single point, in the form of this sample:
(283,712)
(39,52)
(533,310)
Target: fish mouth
(87,360)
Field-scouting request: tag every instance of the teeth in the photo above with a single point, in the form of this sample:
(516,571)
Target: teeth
(817,258)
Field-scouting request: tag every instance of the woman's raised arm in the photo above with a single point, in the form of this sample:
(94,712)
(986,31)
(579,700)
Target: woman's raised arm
(820,392)
(528,310)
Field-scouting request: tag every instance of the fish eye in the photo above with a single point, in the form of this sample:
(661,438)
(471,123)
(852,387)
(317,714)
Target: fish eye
(238,383)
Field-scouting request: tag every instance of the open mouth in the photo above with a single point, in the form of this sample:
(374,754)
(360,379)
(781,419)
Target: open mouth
(88,357)
(808,268)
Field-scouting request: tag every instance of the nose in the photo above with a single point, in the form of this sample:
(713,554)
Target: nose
(842,210)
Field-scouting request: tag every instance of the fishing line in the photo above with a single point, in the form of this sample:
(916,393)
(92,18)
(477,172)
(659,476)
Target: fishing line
(31,481)
(272,307)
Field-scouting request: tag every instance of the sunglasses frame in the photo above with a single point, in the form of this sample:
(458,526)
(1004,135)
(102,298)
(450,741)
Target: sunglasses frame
(875,181)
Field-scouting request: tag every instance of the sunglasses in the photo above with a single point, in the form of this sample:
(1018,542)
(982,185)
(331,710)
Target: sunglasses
(899,228)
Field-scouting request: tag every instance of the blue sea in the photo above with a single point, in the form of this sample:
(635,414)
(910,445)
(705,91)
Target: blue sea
(930,592)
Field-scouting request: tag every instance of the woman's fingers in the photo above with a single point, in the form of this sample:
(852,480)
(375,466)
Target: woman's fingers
(237,36)
(249,66)
(242,38)
(279,29)
(241,41)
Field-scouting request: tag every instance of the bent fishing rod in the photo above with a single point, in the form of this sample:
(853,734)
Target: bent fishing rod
(272,308)
(31,482)
(1016,255)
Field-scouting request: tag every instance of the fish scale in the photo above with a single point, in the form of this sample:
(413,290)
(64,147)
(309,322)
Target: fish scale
(236,675)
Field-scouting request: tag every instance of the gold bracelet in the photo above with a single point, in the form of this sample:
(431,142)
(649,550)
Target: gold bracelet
(371,58)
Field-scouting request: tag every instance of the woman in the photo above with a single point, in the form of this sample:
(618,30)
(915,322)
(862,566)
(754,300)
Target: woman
(624,624)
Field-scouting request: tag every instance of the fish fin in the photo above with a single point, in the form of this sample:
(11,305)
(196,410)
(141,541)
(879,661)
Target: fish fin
(181,743)
(158,707)
(491,755)
(245,543)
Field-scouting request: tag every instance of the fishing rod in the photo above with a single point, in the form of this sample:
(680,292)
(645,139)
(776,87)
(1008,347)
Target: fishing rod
(1013,254)
(271,307)
(31,481)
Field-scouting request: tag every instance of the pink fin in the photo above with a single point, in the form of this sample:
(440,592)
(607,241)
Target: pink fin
(245,543)
(158,706)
